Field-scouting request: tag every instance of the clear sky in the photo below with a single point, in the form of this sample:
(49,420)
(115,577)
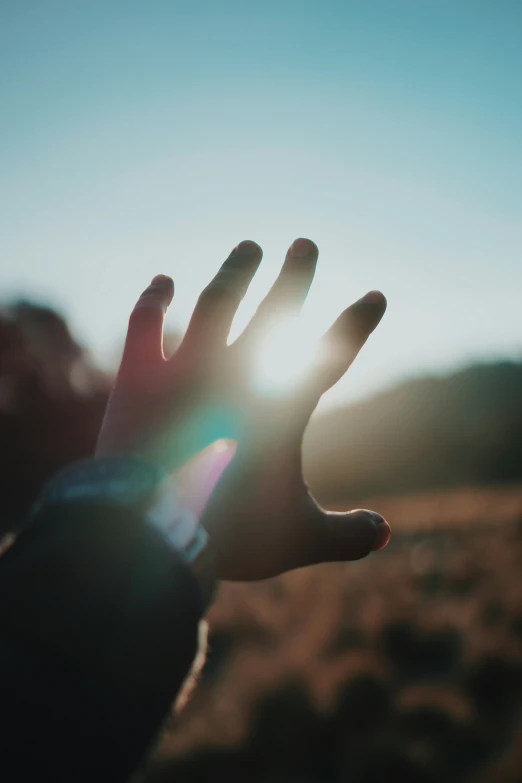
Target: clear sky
(145,137)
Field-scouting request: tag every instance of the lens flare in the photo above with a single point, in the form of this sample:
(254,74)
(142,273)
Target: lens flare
(197,479)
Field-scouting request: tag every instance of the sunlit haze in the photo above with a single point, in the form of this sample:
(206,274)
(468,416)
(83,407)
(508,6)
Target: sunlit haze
(285,356)
(139,138)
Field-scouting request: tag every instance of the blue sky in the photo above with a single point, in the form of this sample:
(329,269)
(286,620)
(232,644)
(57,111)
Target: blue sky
(145,137)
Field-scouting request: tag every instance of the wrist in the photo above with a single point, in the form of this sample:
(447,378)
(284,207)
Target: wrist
(140,485)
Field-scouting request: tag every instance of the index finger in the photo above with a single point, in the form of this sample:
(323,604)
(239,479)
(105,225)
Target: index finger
(216,307)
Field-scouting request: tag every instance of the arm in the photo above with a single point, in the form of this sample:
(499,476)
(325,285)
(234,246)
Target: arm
(99,629)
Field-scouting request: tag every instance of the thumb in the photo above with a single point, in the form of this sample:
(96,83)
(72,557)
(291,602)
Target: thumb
(144,340)
(354,534)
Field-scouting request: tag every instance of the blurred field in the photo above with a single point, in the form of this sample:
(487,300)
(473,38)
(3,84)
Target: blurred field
(429,511)
(404,666)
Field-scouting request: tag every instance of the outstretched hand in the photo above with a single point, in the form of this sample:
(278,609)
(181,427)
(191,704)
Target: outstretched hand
(261,518)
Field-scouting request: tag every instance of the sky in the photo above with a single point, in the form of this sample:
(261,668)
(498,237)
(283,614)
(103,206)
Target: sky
(146,137)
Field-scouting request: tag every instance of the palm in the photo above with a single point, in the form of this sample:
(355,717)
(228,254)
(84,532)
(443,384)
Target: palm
(261,518)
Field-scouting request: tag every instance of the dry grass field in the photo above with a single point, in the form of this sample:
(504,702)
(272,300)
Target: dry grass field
(404,666)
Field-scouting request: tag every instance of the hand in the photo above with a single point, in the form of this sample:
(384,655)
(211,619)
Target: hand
(261,518)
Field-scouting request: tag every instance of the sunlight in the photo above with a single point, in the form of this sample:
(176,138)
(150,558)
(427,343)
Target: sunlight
(285,356)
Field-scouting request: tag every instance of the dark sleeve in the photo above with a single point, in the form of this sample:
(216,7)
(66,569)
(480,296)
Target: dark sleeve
(98,629)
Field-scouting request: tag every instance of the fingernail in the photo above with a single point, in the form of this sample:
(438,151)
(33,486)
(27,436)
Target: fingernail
(160,280)
(383,532)
(373,297)
(301,248)
(247,248)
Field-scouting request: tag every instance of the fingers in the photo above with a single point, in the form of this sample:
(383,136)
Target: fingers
(290,289)
(145,333)
(353,535)
(218,302)
(343,341)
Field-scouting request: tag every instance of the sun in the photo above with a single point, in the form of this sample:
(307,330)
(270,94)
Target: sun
(285,356)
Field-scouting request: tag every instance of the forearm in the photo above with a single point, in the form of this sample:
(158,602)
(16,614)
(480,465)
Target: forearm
(99,629)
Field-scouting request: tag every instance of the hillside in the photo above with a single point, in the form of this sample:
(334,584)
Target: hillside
(432,432)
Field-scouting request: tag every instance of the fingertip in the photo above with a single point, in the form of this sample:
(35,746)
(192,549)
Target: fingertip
(364,315)
(248,247)
(382,531)
(144,333)
(161,280)
(354,534)
(379,527)
(303,248)
(375,298)
(163,286)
